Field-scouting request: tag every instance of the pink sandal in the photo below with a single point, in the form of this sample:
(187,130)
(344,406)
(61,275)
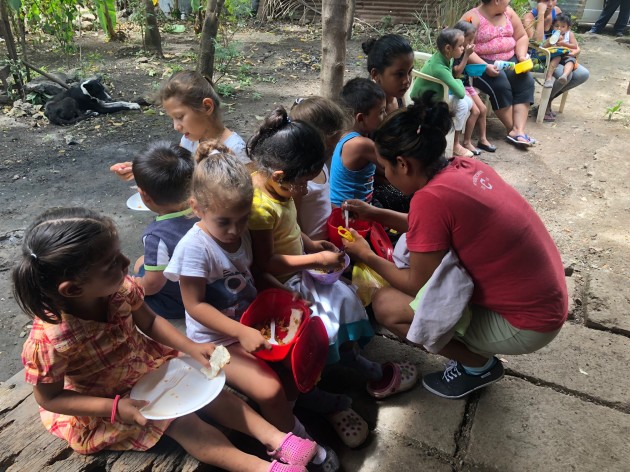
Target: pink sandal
(294,451)
(280,467)
(396,378)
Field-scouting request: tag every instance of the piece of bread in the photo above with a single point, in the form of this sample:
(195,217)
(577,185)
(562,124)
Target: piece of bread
(218,359)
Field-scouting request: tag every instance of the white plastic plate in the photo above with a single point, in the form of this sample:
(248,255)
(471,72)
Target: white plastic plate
(193,392)
(135,203)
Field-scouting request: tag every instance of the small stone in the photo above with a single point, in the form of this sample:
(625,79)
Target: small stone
(16,177)
(22,334)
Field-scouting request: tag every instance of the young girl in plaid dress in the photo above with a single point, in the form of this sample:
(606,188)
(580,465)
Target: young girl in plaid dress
(84,352)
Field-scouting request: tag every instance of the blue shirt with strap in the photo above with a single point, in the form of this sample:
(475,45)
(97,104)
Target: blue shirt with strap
(346,184)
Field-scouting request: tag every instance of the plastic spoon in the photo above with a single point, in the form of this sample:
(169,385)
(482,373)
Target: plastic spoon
(272,327)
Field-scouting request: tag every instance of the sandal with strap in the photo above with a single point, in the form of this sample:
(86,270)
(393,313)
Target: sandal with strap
(396,378)
(349,426)
(294,450)
(280,467)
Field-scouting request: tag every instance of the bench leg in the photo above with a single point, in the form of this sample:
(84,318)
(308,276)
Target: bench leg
(544,102)
(563,101)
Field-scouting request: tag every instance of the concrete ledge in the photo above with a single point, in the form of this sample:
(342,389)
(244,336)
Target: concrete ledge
(521,427)
(608,302)
(582,360)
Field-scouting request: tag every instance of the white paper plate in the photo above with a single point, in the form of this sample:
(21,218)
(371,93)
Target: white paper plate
(193,392)
(135,203)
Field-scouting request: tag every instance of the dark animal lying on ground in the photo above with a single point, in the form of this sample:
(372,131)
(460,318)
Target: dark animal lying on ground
(82,101)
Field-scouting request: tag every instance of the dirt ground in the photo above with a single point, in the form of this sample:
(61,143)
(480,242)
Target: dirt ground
(577,178)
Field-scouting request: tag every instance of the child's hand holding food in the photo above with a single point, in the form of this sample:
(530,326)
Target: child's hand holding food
(331,259)
(123,170)
(252,340)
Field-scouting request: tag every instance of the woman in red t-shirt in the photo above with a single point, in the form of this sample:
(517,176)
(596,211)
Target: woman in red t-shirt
(500,256)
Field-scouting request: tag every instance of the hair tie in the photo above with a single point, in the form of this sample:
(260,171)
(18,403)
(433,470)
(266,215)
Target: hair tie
(214,151)
(288,120)
(298,100)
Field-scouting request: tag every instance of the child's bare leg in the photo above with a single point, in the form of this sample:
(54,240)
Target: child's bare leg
(553,63)
(259,382)
(564,78)
(210,446)
(470,126)
(481,121)
(392,310)
(230,411)
(458,149)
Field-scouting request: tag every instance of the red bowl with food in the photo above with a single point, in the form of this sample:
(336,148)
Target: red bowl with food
(288,315)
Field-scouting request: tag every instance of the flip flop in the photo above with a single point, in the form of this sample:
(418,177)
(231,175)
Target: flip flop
(349,426)
(489,148)
(514,140)
(476,152)
(397,378)
(549,118)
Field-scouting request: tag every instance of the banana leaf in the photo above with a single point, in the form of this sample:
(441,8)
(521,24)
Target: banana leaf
(101,7)
(15,4)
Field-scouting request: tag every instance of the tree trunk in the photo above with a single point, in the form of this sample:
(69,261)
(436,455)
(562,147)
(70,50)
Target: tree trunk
(153,41)
(5,28)
(333,47)
(205,65)
(352,4)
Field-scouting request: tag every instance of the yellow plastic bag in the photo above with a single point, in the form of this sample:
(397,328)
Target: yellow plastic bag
(367,282)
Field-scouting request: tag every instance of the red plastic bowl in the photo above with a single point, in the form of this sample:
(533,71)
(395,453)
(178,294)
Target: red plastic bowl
(336,219)
(274,304)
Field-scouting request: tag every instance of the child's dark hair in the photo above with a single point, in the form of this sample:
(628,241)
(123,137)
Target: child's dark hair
(164,172)
(361,95)
(61,244)
(448,37)
(294,147)
(416,132)
(190,88)
(382,52)
(219,177)
(564,18)
(466,27)
(322,113)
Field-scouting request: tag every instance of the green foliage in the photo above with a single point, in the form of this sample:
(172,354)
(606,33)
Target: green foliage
(54,17)
(225,90)
(614,109)
(103,6)
(386,22)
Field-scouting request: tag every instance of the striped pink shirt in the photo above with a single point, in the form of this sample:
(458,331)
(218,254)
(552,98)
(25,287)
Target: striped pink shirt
(494,42)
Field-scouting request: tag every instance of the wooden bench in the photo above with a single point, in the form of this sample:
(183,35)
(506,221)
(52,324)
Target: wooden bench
(27,446)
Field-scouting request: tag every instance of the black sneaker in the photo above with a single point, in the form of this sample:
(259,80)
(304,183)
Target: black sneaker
(454,382)
(619,34)
(592,31)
